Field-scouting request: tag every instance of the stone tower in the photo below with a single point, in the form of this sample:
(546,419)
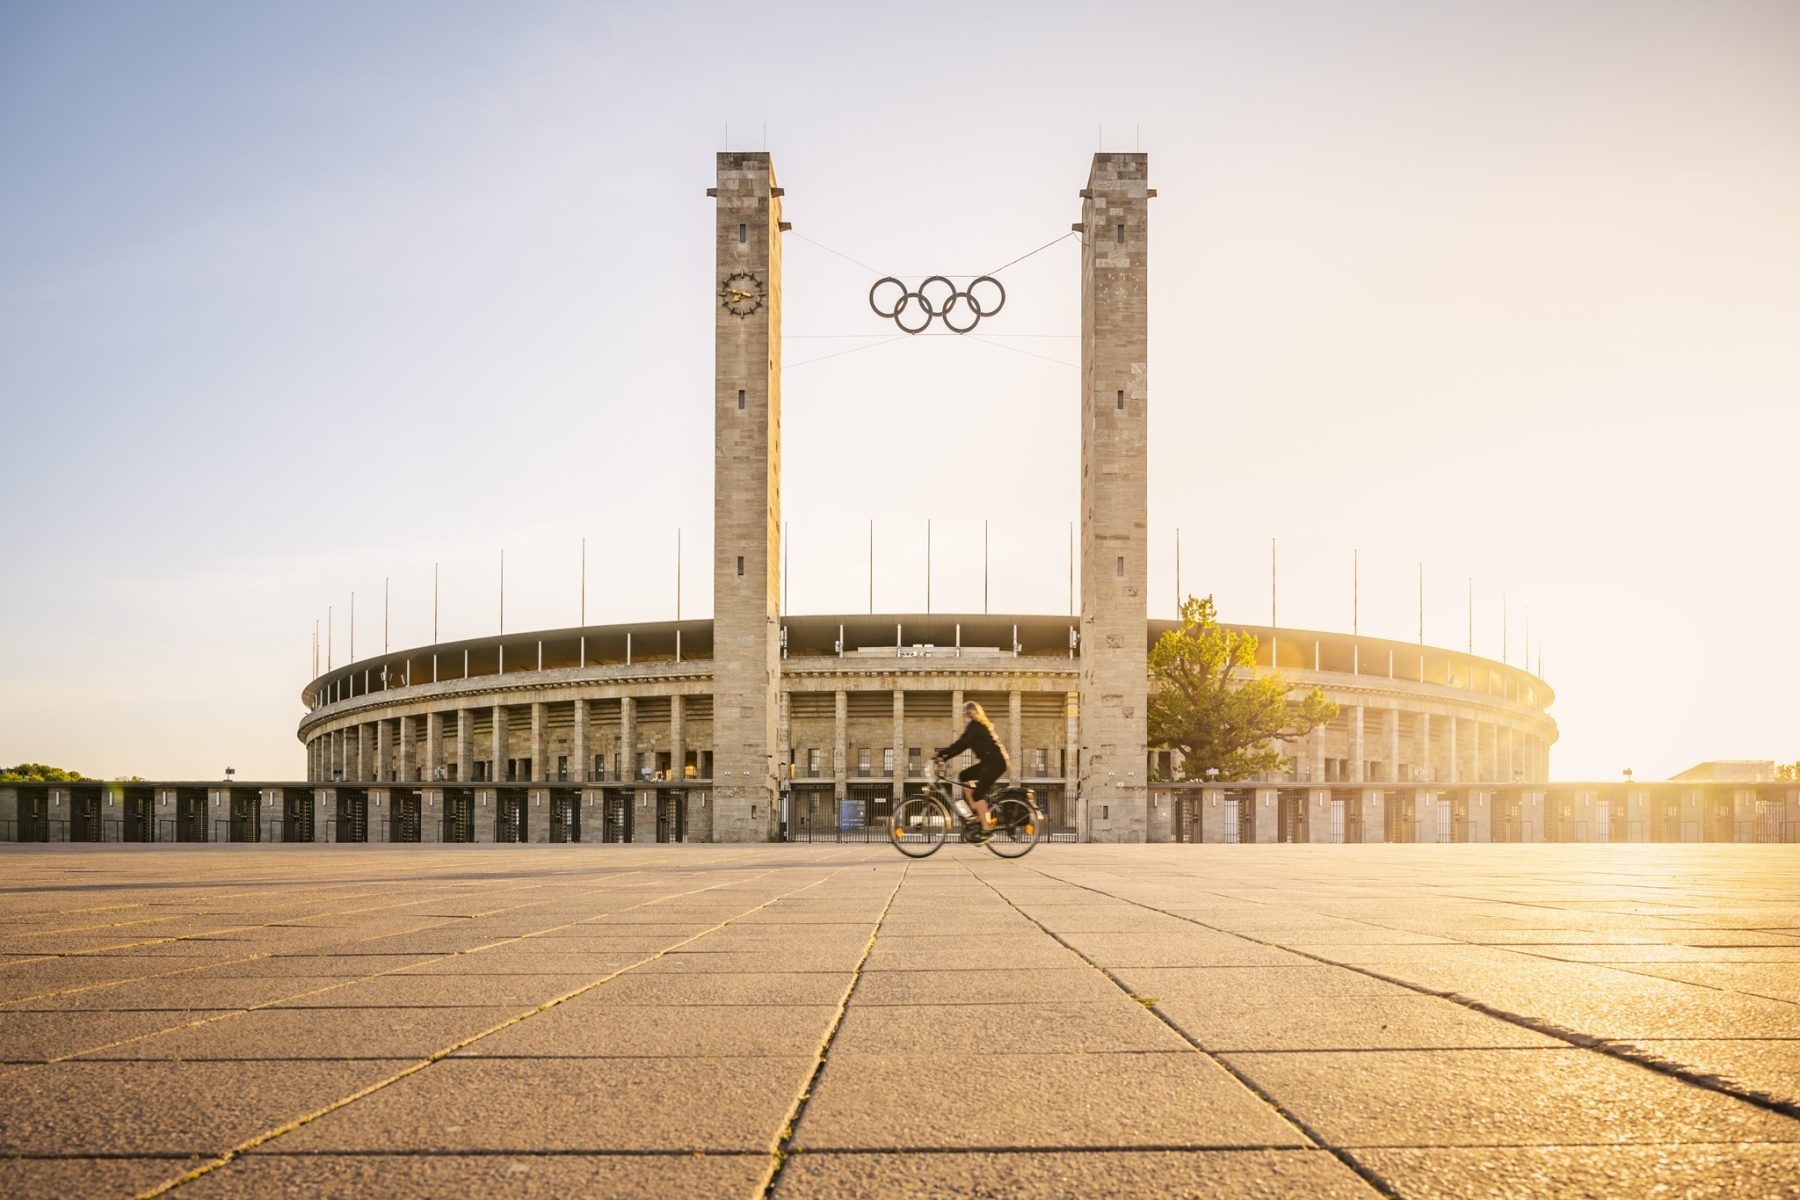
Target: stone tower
(1114,503)
(746,498)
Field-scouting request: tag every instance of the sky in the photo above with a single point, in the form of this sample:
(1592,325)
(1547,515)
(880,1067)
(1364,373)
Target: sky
(297,301)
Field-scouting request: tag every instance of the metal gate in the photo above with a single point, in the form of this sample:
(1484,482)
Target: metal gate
(1337,822)
(812,813)
(242,825)
(34,816)
(1234,832)
(297,815)
(406,817)
(615,821)
(1189,809)
(190,815)
(565,816)
(509,816)
(84,815)
(459,814)
(140,810)
(671,816)
(352,820)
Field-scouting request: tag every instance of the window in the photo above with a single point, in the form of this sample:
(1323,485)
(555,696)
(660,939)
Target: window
(862,761)
(744,233)
(1121,235)
(741,565)
(600,766)
(1121,400)
(887,761)
(740,398)
(915,761)
(1120,570)
(562,767)
(1040,763)
(812,762)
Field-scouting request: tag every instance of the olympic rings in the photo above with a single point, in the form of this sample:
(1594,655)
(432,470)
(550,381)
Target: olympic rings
(913,309)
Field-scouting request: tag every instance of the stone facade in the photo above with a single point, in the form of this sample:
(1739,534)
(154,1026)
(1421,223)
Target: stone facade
(746,500)
(1114,497)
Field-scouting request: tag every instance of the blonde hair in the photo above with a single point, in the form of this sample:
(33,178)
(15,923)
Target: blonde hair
(975,712)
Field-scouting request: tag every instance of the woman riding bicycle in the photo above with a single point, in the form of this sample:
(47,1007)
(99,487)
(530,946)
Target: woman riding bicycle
(990,759)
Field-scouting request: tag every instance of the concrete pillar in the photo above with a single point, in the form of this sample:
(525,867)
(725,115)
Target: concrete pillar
(643,816)
(1374,816)
(1422,744)
(1318,815)
(1357,771)
(840,748)
(1015,740)
(746,498)
(465,745)
(384,750)
(1265,815)
(584,757)
(1508,765)
(678,737)
(486,799)
(628,740)
(1115,213)
(502,744)
(365,752)
(1455,764)
(537,815)
(409,732)
(899,782)
(1071,758)
(1478,815)
(956,717)
(540,742)
(784,738)
(434,745)
(1391,719)
(1316,754)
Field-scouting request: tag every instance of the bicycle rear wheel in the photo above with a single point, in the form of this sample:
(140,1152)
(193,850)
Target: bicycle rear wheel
(1018,825)
(919,826)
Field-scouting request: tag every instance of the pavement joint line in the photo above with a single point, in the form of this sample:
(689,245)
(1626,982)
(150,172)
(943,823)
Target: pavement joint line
(280,1002)
(784,1145)
(1375,1182)
(1574,1038)
(269,1135)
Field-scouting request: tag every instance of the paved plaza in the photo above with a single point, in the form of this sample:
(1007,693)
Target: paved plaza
(1477,1020)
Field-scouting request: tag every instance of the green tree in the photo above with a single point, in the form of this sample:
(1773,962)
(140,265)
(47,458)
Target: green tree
(39,773)
(1788,772)
(1210,703)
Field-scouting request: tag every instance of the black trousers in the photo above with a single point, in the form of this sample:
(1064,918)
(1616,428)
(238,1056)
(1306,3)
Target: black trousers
(983,775)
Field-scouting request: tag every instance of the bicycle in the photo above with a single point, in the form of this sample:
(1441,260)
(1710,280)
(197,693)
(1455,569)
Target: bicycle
(924,821)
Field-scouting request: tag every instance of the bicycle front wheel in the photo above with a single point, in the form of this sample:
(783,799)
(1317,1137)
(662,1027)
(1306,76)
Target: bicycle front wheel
(1018,826)
(919,826)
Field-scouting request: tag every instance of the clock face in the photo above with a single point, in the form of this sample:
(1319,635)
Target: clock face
(741,293)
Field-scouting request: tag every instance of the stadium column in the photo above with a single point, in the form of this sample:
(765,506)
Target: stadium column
(384,750)
(1391,722)
(502,744)
(583,757)
(1455,762)
(465,745)
(434,745)
(1357,764)
(364,752)
(540,741)
(746,289)
(840,748)
(1114,507)
(409,732)
(628,739)
(1015,735)
(677,737)
(899,787)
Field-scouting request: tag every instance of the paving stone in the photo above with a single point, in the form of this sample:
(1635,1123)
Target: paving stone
(1196,949)
(1499,1097)
(1258,987)
(41,1036)
(428,1177)
(1717,1172)
(712,1105)
(136,1108)
(457,991)
(1100,1175)
(984,987)
(61,1178)
(180,993)
(955,953)
(915,1102)
(1765,1067)
(589,1026)
(1018,1028)
(1406,1022)
(301,1033)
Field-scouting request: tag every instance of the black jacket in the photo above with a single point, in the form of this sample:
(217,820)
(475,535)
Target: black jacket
(978,738)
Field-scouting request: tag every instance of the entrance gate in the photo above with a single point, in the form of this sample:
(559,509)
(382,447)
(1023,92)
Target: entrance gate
(139,816)
(615,819)
(34,815)
(241,825)
(565,816)
(405,816)
(84,815)
(459,814)
(352,820)
(189,823)
(813,813)
(671,816)
(1189,807)
(509,815)
(297,815)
